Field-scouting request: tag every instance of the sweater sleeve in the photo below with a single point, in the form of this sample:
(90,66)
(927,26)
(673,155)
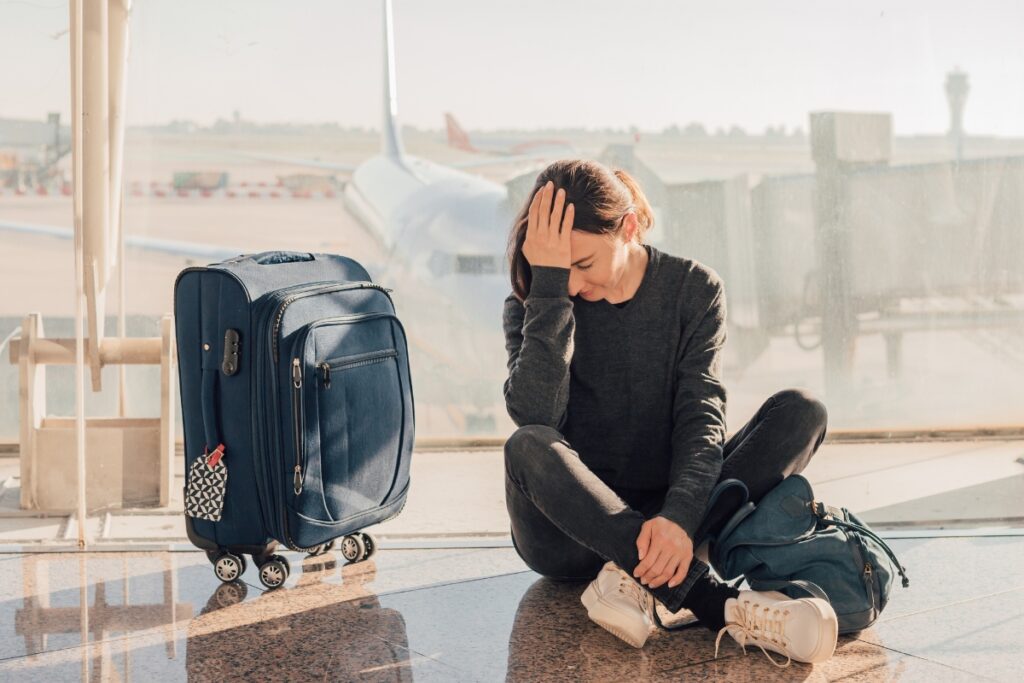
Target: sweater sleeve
(539,340)
(698,424)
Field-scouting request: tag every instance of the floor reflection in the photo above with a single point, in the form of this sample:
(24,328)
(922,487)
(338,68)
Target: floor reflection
(458,614)
(327,630)
(95,623)
(552,639)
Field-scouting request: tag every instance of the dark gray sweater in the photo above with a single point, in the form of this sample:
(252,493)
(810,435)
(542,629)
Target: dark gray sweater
(636,390)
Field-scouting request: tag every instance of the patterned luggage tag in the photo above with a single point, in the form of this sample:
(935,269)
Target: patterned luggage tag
(207,484)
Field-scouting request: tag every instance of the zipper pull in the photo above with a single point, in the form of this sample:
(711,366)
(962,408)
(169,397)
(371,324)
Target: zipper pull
(867,568)
(326,370)
(297,480)
(296,373)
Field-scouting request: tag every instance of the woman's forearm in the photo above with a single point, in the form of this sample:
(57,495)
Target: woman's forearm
(539,340)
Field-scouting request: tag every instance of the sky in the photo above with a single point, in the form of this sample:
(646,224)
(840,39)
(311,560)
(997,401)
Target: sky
(540,64)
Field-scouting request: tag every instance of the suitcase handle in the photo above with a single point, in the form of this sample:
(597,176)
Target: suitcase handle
(269,258)
(209,401)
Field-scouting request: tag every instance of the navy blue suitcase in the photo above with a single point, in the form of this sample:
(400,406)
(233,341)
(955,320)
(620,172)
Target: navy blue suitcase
(297,406)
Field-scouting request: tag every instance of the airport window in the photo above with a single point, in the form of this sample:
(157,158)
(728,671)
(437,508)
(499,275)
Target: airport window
(869,236)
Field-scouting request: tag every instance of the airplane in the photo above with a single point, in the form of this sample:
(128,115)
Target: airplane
(444,235)
(458,138)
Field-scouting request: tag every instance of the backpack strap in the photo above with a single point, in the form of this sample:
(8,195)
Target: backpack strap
(727,496)
(830,515)
(715,547)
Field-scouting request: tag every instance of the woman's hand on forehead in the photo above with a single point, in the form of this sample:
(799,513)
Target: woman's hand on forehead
(548,227)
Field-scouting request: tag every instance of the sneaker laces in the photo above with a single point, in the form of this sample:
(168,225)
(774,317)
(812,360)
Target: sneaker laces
(754,622)
(634,590)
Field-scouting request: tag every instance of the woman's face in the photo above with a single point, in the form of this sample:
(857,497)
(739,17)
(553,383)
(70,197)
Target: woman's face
(600,262)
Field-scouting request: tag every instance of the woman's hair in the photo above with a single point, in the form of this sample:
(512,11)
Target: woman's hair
(600,196)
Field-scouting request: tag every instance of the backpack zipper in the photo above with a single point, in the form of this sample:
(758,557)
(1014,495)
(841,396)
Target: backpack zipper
(873,536)
(869,580)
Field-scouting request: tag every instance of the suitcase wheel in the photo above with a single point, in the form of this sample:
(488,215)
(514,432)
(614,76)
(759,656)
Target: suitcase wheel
(228,594)
(274,572)
(353,548)
(358,547)
(321,549)
(371,546)
(229,567)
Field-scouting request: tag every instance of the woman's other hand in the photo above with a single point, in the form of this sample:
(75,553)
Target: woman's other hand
(665,552)
(547,230)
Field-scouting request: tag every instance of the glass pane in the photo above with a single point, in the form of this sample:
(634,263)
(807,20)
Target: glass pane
(36,268)
(260,128)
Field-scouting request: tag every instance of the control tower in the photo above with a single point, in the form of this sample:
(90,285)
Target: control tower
(956,94)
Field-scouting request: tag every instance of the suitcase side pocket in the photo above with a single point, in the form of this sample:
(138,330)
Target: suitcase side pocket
(348,414)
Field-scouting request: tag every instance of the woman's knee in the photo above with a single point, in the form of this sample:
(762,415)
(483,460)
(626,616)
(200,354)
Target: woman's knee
(523,445)
(805,406)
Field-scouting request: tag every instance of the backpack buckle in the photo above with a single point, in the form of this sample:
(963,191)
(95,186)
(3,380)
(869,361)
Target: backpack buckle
(819,508)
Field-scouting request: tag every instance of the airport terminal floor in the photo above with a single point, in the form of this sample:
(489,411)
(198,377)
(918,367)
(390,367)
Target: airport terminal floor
(447,598)
(460,614)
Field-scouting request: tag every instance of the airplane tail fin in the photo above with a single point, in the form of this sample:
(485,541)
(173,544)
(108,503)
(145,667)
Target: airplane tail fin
(457,137)
(391,139)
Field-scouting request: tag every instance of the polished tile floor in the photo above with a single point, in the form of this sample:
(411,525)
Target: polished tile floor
(461,614)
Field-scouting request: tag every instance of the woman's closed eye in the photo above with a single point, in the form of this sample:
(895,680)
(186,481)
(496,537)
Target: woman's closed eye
(587,267)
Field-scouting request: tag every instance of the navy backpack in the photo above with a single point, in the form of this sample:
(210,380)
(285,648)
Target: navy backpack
(792,543)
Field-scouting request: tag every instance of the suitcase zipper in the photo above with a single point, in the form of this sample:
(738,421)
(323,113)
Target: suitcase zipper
(297,423)
(326,367)
(285,303)
(265,429)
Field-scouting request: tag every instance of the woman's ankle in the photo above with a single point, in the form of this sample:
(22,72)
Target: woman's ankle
(706,599)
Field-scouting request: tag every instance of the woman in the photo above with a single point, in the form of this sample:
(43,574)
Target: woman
(614,356)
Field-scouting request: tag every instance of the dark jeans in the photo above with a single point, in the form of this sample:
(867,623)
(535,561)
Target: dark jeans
(566,522)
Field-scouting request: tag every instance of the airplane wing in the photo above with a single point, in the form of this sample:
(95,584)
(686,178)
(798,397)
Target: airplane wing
(309,163)
(212,253)
(350,168)
(495,161)
(194,250)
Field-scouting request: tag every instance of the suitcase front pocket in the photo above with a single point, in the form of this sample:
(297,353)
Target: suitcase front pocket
(325,368)
(348,418)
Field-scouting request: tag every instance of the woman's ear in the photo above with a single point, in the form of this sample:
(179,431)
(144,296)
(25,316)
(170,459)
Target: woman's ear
(630,224)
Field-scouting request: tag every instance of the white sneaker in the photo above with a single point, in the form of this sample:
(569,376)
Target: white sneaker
(803,629)
(616,602)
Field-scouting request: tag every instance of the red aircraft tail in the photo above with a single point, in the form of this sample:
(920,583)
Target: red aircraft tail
(457,137)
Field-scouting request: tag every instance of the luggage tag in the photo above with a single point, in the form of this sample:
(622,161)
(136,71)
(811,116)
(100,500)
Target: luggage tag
(207,484)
